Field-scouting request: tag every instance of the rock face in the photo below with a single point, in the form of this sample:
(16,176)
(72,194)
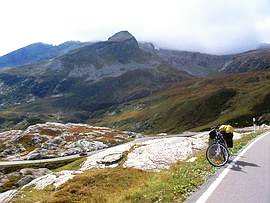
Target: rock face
(25,180)
(161,153)
(34,172)
(111,159)
(256,60)
(7,196)
(50,140)
(152,155)
(55,179)
(121,36)
(37,52)
(110,155)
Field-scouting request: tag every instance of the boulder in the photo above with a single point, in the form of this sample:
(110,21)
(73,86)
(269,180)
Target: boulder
(56,140)
(34,155)
(88,145)
(71,151)
(25,180)
(13,174)
(36,140)
(34,172)
(111,159)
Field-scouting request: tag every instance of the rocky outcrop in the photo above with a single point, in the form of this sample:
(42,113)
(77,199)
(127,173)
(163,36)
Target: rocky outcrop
(151,155)
(26,179)
(121,36)
(255,60)
(55,179)
(7,196)
(146,154)
(159,154)
(110,154)
(20,178)
(36,172)
(51,140)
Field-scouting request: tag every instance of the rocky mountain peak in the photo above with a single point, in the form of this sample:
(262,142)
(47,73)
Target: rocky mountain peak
(121,36)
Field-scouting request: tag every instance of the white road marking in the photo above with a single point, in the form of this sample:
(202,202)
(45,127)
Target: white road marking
(215,184)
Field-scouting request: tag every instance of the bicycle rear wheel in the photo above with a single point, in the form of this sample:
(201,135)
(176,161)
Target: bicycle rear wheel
(217,155)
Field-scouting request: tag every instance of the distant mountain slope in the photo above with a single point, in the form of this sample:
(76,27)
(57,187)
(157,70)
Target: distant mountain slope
(194,63)
(36,52)
(132,85)
(196,105)
(255,60)
(86,80)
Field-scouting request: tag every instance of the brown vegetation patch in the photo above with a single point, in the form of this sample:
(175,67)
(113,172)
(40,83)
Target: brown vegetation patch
(50,132)
(80,130)
(103,185)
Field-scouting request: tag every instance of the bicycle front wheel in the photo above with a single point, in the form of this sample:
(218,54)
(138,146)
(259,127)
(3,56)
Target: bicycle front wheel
(217,155)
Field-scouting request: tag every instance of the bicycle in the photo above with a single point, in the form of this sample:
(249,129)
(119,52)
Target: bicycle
(217,153)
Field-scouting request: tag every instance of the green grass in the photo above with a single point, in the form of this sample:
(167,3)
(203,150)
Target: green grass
(130,185)
(75,165)
(196,105)
(9,185)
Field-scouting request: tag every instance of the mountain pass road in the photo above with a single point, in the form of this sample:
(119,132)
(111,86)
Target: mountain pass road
(245,180)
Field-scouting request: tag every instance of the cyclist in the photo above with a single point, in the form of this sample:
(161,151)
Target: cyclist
(226,131)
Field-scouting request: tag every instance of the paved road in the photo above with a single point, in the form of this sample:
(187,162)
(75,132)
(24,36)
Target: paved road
(247,180)
(11,163)
(185,134)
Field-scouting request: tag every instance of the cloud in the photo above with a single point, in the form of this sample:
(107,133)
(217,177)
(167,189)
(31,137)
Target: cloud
(224,26)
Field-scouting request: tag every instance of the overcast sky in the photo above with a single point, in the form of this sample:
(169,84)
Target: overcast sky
(212,26)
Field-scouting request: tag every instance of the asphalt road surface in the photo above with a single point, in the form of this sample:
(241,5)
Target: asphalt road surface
(245,180)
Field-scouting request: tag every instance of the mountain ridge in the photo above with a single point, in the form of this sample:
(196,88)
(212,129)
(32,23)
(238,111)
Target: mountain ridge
(37,52)
(86,83)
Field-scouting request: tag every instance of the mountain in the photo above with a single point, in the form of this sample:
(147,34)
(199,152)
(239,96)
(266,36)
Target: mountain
(84,81)
(37,52)
(255,60)
(132,85)
(195,104)
(194,63)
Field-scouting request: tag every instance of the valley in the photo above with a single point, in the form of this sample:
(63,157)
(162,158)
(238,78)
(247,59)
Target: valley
(155,107)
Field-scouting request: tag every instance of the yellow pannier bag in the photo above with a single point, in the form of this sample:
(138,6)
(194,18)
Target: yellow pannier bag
(226,128)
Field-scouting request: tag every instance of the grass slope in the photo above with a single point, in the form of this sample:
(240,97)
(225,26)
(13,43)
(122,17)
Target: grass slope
(196,105)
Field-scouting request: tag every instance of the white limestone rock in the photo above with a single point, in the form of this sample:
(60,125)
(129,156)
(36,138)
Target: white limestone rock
(55,179)
(5,197)
(159,153)
(95,160)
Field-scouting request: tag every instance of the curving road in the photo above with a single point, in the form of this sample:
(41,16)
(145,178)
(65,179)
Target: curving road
(11,163)
(185,134)
(245,180)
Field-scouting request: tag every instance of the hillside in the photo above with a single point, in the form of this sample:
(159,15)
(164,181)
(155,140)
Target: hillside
(194,63)
(255,60)
(196,104)
(132,85)
(37,52)
(83,82)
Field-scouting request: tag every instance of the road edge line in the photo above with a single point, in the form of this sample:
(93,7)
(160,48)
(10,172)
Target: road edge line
(214,185)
